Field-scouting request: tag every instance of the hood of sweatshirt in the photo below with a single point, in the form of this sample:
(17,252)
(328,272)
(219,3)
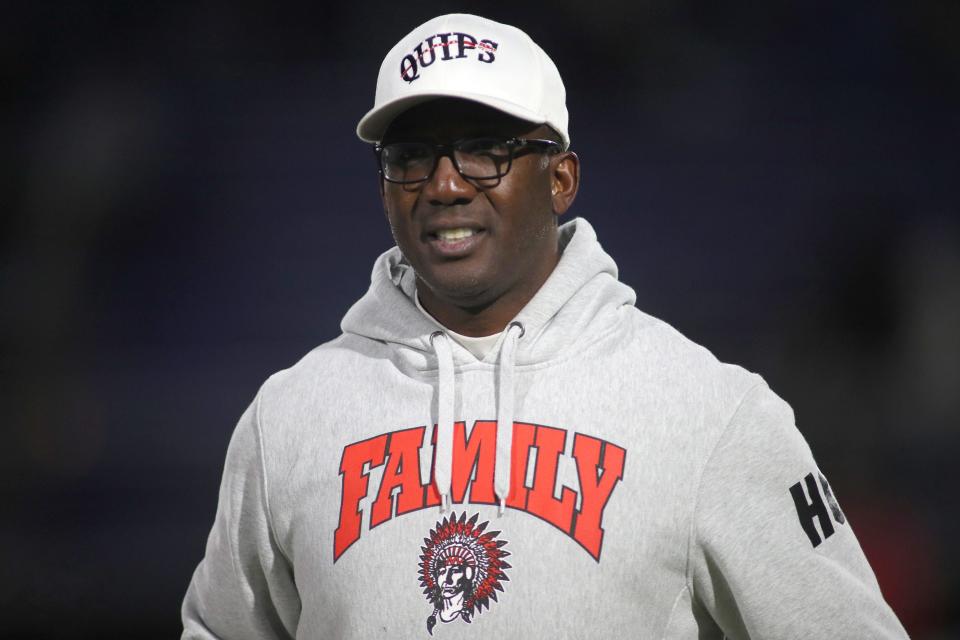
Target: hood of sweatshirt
(580,300)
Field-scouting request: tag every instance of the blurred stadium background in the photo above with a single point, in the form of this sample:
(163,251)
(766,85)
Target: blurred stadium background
(187,210)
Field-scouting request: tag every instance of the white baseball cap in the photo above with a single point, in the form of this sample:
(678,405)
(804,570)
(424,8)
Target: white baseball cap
(469,57)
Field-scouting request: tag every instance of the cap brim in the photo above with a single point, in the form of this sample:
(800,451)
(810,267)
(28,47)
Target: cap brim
(374,124)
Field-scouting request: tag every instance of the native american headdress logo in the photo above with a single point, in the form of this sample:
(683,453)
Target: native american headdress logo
(461,568)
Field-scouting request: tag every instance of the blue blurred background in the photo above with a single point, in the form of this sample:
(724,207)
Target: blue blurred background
(187,210)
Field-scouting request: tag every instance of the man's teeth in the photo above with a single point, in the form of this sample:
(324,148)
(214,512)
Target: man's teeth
(454,234)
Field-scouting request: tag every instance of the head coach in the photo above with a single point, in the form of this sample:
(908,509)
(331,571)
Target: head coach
(500,444)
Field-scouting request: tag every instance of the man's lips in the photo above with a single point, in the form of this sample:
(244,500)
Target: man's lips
(455,242)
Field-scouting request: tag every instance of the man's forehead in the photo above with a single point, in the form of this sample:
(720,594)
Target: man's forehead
(454,118)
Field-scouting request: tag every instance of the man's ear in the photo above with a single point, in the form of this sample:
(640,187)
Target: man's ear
(469,573)
(564,180)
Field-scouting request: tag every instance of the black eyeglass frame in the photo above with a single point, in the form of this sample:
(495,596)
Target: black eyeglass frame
(441,150)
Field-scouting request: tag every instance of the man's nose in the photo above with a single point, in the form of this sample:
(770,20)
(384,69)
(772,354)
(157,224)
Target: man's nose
(446,186)
(449,578)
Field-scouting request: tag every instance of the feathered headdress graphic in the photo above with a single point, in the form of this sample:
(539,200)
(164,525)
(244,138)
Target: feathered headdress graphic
(462,568)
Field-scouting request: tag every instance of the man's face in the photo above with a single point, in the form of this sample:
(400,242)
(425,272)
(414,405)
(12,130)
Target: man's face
(507,243)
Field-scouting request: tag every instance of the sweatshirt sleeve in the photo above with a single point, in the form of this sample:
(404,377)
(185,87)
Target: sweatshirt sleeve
(244,586)
(772,555)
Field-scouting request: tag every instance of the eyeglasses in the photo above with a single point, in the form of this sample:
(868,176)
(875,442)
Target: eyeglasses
(482,160)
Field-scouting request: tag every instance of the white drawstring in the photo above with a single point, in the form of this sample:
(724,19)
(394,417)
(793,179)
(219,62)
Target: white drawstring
(443,458)
(501,478)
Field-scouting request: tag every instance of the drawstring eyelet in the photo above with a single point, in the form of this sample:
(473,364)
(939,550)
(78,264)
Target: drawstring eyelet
(517,324)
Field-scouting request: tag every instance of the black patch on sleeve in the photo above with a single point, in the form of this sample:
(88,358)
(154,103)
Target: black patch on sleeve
(812,507)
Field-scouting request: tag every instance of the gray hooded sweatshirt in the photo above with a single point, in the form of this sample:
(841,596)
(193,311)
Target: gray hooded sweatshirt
(596,475)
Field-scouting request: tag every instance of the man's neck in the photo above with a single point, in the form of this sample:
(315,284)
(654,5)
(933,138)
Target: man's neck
(474,322)
(483,319)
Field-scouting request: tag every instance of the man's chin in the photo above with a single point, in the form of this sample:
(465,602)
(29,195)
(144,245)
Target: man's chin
(466,290)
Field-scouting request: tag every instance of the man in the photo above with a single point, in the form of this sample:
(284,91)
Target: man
(500,420)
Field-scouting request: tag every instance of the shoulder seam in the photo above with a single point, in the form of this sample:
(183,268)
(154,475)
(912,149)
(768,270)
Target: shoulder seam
(261,455)
(696,496)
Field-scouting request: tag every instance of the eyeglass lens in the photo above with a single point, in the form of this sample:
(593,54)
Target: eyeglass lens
(477,159)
